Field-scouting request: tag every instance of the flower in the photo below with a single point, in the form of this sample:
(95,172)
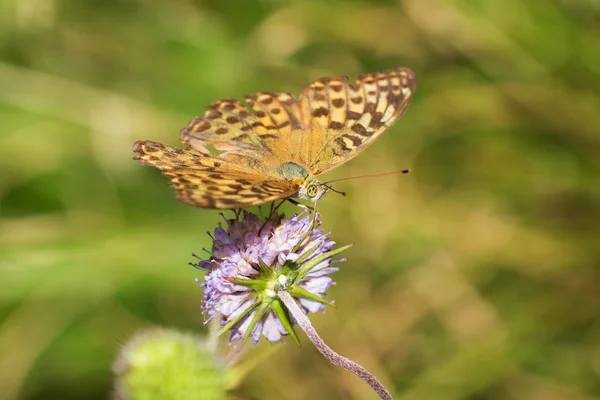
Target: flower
(252,260)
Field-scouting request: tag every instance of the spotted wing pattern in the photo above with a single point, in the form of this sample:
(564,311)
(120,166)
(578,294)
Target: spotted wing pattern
(344,119)
(264,132)
(328,125)
(202,180)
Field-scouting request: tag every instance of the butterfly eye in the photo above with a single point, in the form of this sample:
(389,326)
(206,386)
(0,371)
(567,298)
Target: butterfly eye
(312,190)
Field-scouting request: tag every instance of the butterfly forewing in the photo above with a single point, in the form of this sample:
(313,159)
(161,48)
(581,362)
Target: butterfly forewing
(355,116)
(228,126)
(262,131)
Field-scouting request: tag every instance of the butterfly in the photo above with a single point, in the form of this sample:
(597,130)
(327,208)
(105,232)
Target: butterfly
(275,148)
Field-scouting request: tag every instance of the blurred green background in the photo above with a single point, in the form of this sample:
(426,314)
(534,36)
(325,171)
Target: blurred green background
(474,277)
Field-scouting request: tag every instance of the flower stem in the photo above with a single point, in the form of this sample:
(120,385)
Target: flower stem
(304,323)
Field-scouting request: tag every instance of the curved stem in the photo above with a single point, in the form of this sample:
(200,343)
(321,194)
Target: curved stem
(304,323)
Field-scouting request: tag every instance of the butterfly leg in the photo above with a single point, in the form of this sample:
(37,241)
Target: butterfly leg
(238,212)
(273,209)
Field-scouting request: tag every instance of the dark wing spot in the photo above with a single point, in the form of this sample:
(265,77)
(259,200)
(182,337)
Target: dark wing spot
(339,103)
(319,97)
(276,111)
(227,201)
(228,107)
(214,115)
(320,112)
(260,114)
(232,120)
(221,131)
(335,125)
(267,100)
(201,127)
(353,115)
(356,141)
(336,88)
(340,141)
(395,98)
(361,130)
(376,120)
(356,100)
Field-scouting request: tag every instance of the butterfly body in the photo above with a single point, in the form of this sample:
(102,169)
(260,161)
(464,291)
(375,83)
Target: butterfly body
(309,187)
(276,147)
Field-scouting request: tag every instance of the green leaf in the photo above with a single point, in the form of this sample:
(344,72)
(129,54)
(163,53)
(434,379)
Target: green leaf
(264,307)
(298,291)
(264,268)
(315,261)
(236,319)
(256,284)
(281,312)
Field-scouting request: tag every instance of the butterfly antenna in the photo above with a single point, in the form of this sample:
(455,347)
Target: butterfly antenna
(334,190)
(404,171)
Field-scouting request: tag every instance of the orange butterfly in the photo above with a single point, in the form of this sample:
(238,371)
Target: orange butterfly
(277,148)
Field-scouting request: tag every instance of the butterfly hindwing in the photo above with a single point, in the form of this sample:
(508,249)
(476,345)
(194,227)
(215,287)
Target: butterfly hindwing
(205,181)
(262,131)
(228,126)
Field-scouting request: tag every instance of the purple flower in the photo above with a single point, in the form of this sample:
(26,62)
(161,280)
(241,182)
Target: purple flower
(252,260)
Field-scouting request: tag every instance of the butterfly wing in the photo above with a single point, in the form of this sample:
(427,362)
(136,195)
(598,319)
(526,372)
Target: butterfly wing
(202,180)
(259,135)
(344,119)
(330,124)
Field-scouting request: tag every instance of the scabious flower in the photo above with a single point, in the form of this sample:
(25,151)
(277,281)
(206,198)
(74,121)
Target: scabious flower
(252,260)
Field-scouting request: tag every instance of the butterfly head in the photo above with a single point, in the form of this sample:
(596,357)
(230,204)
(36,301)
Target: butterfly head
(312,190)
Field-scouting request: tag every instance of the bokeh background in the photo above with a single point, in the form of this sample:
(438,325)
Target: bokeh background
(474,277)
